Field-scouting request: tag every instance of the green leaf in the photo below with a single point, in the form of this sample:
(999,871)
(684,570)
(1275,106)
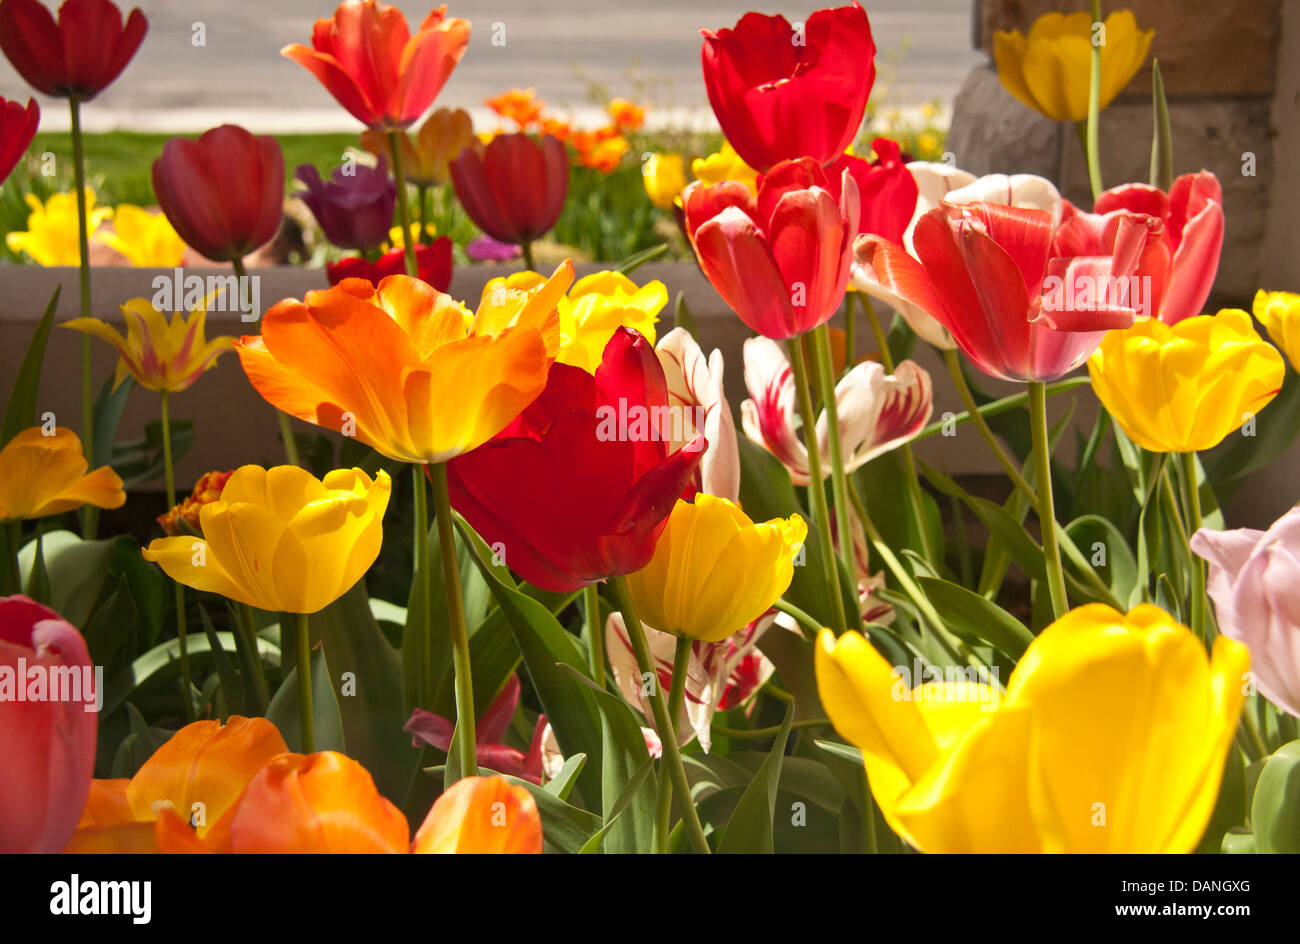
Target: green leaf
(76,570)
(163,660)
(638,259)
(327,722)
(1162,141)
(109,405)
(231,683)
(20,409)
(631,790)
(624,762)
(682,317)
(750,826)
(972,616)
(1275,811)
(38,582)
(562,784)
(1120,570)
(1228,464)
(567,828)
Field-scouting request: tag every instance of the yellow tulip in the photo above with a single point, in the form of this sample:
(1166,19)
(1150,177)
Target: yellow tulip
(280,539)
(51,237)
(159,355)
(1111,737)
(1279,313)
(724,164)
(46,475)
(1183,388)
(1049,70)
(714,571)
(594,308)
(664,176)
(146,239)
(444,134)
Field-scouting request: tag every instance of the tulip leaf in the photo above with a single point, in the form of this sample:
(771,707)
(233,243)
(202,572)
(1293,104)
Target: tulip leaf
(973,617)
(1162,141)
(109,405)
(38,583)
(1024,550)
(163,660)
(623,802)
(562,784)
(76,570)
(566,828)
(1117,561)
(1275,810)
(682,317)
(20,409)
(624,759)
(232,685)
(327,721)
(1230,809)
(638,259)
(1228,464)
(750,827)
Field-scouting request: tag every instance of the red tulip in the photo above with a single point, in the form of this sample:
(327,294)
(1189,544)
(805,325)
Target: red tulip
(223,193)
(17,128)
(886,188)
(367,58)
(1017,301)
(780,94)
(47,735)
(1183,264)
(433,265)
(514,188)
(579,486)
(77,57)
(781,259)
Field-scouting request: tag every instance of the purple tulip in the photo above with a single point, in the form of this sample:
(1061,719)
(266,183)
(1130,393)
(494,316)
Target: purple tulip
(354,209)
(483,248)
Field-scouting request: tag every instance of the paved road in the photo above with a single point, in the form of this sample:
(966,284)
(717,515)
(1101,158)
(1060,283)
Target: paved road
(648,49)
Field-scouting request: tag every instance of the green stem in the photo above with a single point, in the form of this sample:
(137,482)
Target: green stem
(14,536)
(423,579)
(455,622)
(404,211)
(882,340)
(850,331)
(843,520)
(422,194)
(1094,111)
(816,486)
(170,478)
(869,816)
(1192,504)
(1011,469)
(672,757)
(1253,735)
(306,723)
(757,733)
(253,661)
(91,516)
(676,696)
(527,248)
(596,642)
(811,625)
(1046,510)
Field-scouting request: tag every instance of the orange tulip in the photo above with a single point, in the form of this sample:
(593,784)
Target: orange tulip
(480,815)
(367,58)
(318,803)
(403,368)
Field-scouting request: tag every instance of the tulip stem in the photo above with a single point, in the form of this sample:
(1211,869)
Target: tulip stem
(527,249)
(403,208)
(1046,510)
(810,625)
(757,733)
(13,534)
(676,697)
(596,642)
(850,331)
(672,757)
(253,661)
(90,518)
(169,476)
(306,723)
(839,485)
(455,621)
(1196,606)
(816,486)
(422,195)
(1090,134)
(968,400)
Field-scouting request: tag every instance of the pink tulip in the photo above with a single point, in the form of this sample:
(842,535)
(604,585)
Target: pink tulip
(47,727)
(1252,580)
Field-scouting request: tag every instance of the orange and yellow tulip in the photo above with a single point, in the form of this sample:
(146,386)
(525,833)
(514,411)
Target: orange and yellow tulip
(44,475)
(480,815)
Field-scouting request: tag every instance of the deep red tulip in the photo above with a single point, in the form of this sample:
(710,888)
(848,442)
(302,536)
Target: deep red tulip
(367,58)
(78,56)
(17,128)
(886,188)
(47,733)
(781,259)
(1020,304)
(781,94)
(579,486)
(514,188)
(1183,264)
(223,193)
(433,265)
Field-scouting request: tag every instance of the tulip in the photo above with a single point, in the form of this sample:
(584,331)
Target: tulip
(224,193)
(724,164)
(779,259)
(51,237)
(579,486)
(714,571)
(1184,388)
(698,402)
(626,115)
(403,368)
(281,539)
(994,272)
(664,179)
(481,815)
(602,151)
(1111,737)
(206,490)
(514,188)
(316,804)
(17,128)
(47,737)
(719,675)
(1179,269)
(78,56)
(886,188)
(1049,69)
(186,794)
(442,136)
(1279,313)
(433,265)
(483,248)
(145,239)
(160,355)
(781,93)
(522,106)
(1252,582)
(366,57)
(45,474)
(877,411)
(355,207)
